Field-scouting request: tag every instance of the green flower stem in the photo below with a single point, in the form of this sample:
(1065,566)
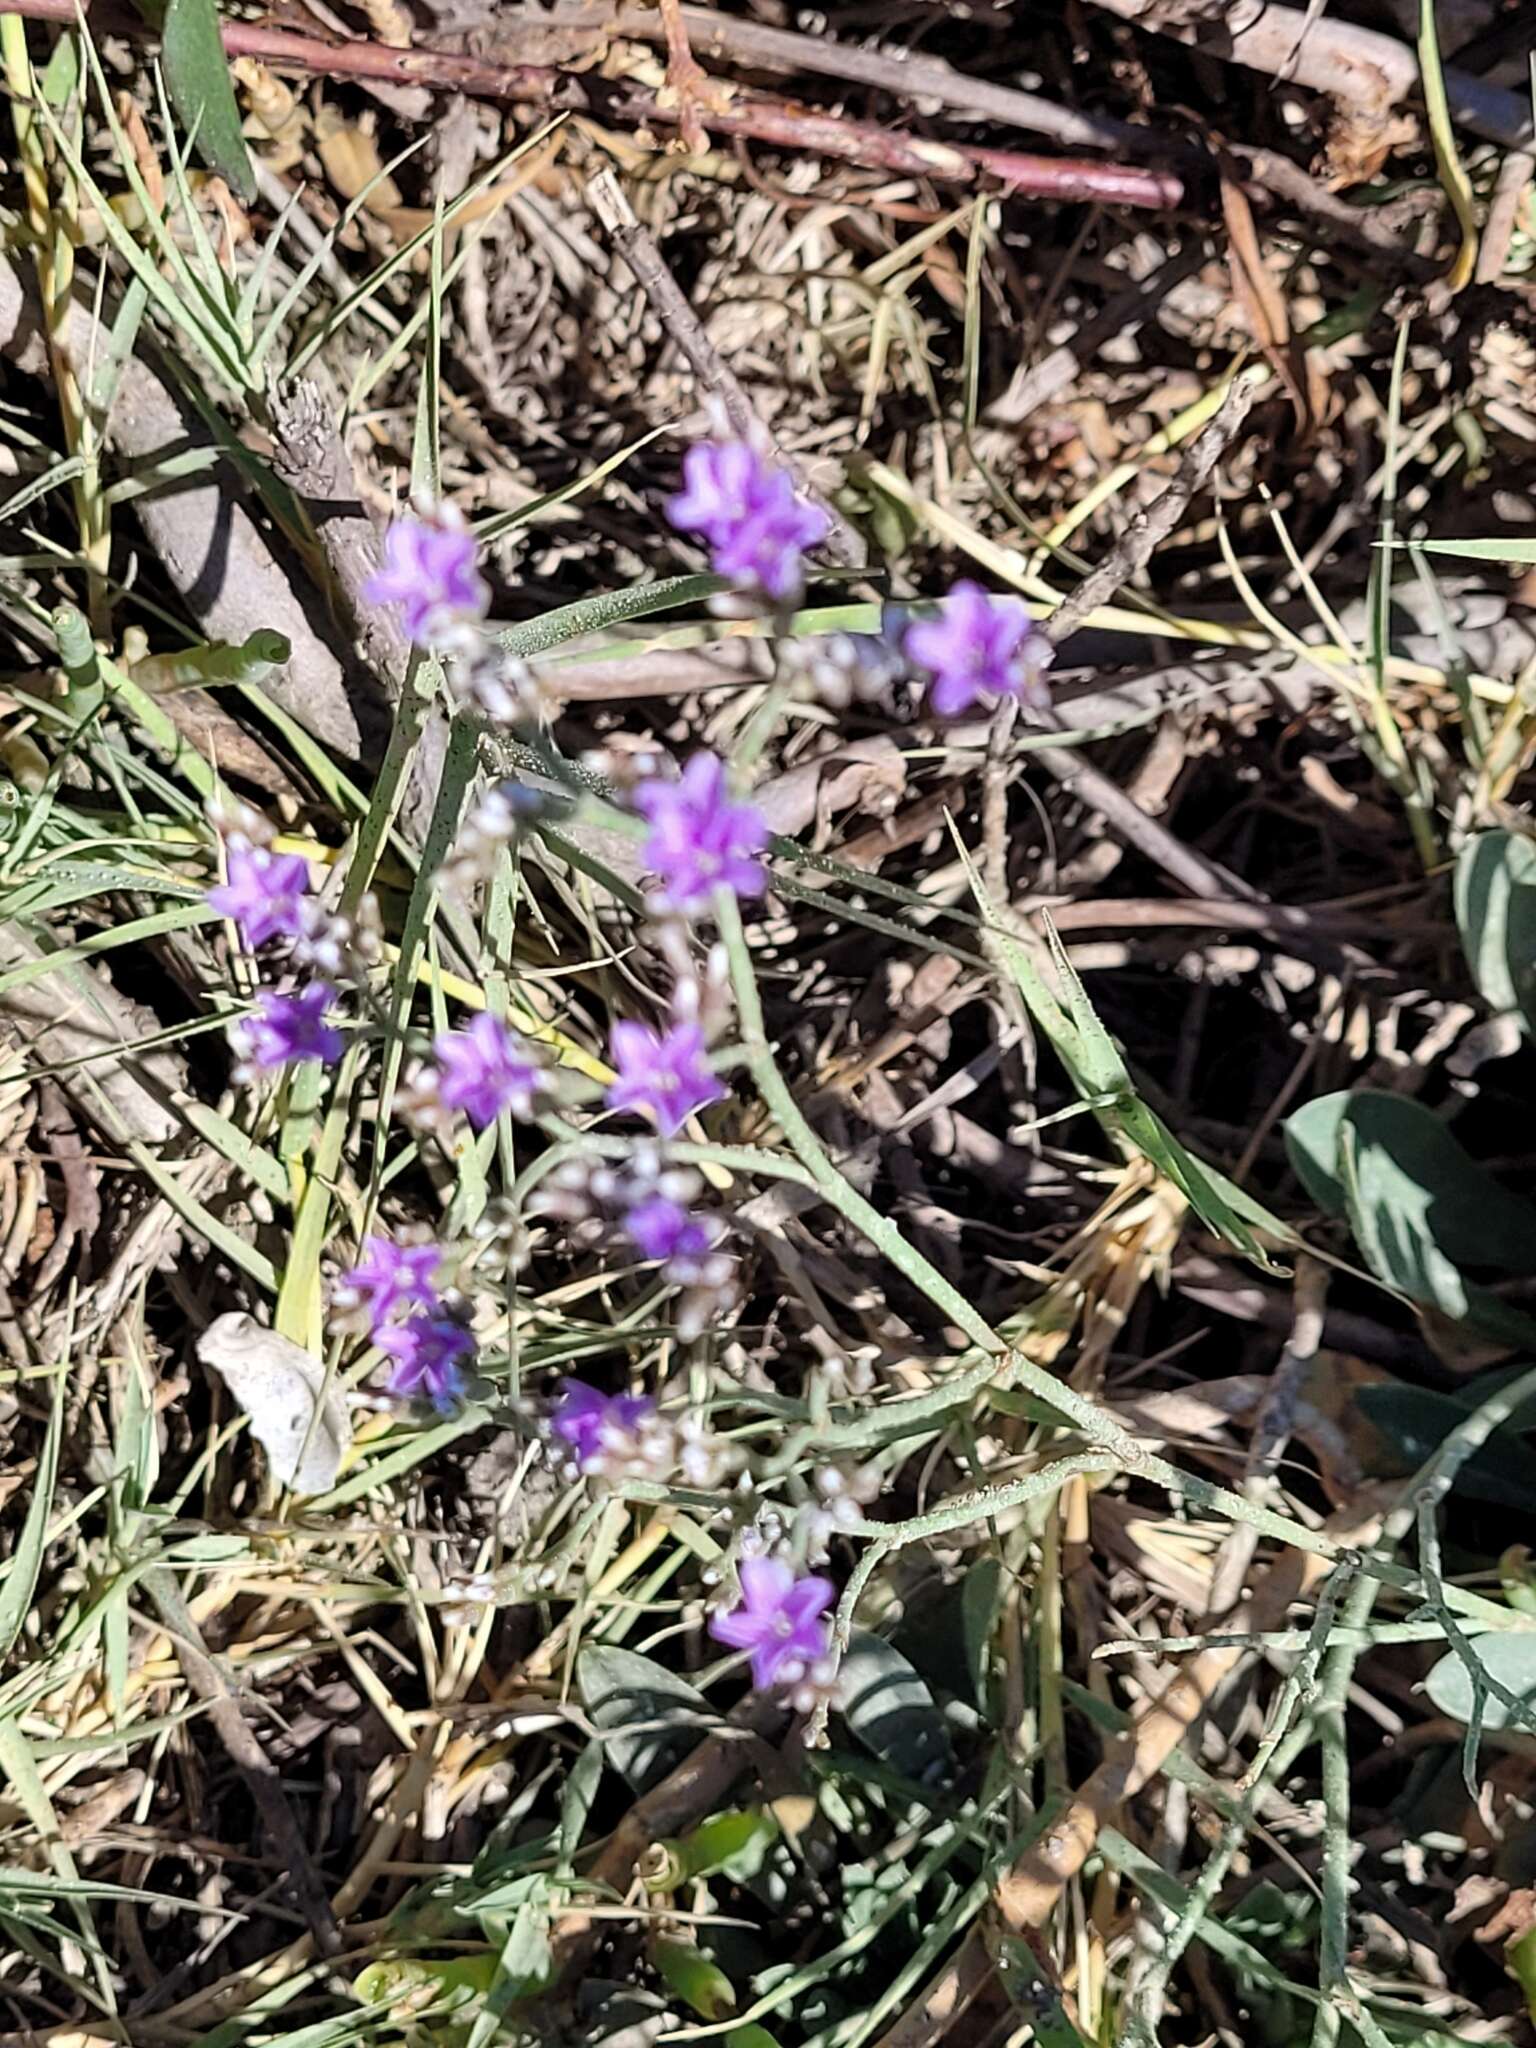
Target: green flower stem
(960,1513)
(808,1148)
(1141,2027)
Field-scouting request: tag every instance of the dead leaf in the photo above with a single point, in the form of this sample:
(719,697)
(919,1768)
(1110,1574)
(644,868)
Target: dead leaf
(1264,308)
(279,1386)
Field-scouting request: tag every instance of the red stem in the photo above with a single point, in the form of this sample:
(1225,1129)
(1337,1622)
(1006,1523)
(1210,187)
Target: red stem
(752,115)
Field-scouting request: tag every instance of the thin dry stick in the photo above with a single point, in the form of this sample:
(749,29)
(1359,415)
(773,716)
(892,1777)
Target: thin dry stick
(1367,72)
(701,1781)
(1272,1428)
(266,1787)
(914,76)
(639,249)
(752,115)
(1026,1894)
(904,72)
(1150,525)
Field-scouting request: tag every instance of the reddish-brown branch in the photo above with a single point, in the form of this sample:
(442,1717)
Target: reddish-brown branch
(754,116)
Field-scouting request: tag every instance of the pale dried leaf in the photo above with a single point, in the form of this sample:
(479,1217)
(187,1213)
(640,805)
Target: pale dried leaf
(279,1385)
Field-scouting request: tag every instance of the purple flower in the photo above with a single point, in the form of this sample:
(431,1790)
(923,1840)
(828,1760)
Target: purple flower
(664,1230)
(431,1352)
(746,508)
(591,1422)
(288,1028)
(699,839)
(486,1071)
(982,647)
(429,572)
(665,1077)
(390,1277)
(779,1621)
(265,894)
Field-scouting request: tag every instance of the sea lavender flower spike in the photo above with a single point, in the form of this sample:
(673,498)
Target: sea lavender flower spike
(265,893)
(665,1076)
(389,1278)
(700,838)
(778,1620)
(429,571)
(486,1070)
(286,1029)
(982,647)
(591,1422)
(431,1353)
(746,508)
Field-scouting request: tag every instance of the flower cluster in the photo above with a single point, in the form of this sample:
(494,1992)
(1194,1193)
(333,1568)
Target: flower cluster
(981,649)
(663,1075)
(266,895)
(487,1071)
(284,1030)
(746,508)
(430,574)
(393,1290)
(700,839)
(625,1186)
(651,1205)
(779,1620)
(626,1436)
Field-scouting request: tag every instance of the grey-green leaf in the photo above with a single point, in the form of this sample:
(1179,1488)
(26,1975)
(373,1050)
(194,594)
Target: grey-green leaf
(1510,1659)
(649,1718)
(892,1712)
(198,81)
(1418,1199)
(1496,915)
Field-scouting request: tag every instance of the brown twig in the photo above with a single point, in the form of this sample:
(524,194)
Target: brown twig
(754,116)
(701,1781)
(1365,71)
(266,1787)
(905,73)
(914,76)
(639,248)
(1149,525)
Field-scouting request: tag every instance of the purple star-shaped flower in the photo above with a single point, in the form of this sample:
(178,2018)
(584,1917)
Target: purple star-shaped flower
(700,840)
(588,1420)
(778,1620)
(758,530)
(982,647)
(431,1353)
(664,1230)
(486,1070)
(288,1028)
(390,1277)
(265,893)
(666,1077)
(429,571)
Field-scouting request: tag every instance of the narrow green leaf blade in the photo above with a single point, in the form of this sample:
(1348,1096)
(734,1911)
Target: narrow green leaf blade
(198,81)
(21,1574)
